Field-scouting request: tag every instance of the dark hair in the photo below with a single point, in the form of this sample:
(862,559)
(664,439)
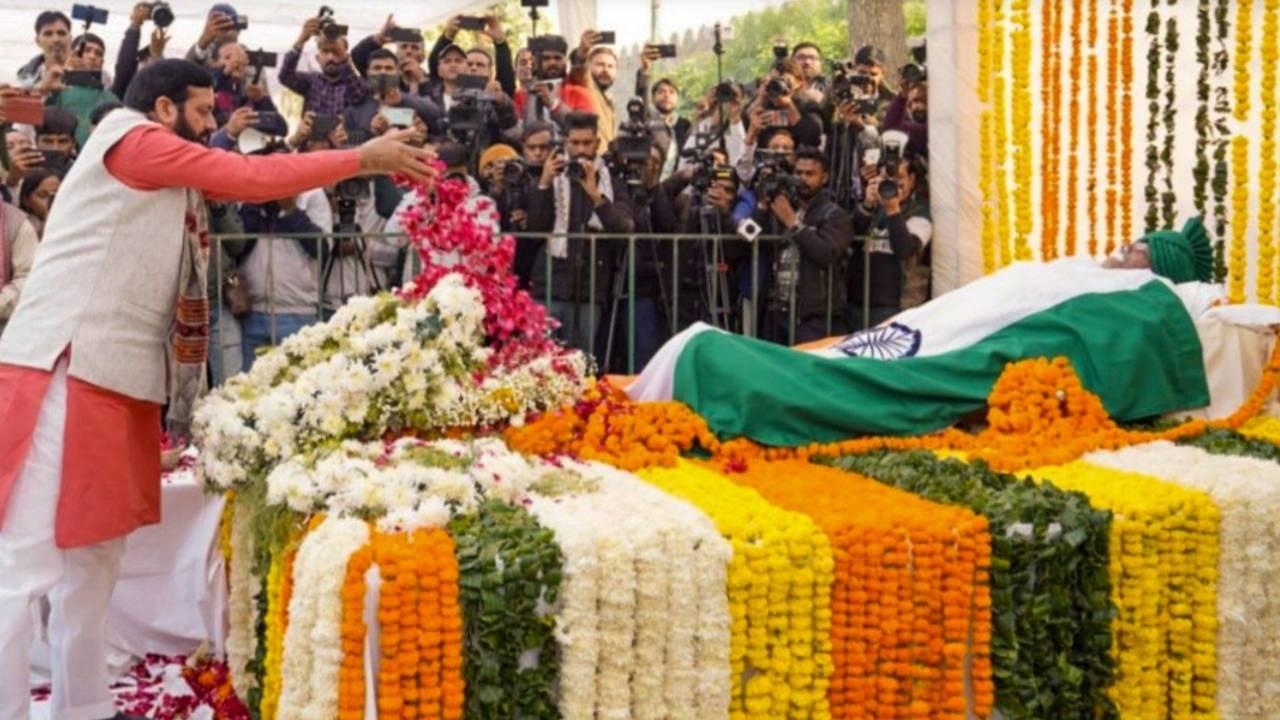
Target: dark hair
(806,44)
(664,81)
(102,110)
(382,54)
(536,127)
(814,154)
(768,135)
(86,38)
(30,181)
(553,43)
(579,120)
(58,121)
(165,78)
(787,66)
(49,17)
(869,55)
(452,154)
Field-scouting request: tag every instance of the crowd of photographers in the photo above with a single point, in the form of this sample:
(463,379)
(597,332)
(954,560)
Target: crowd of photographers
(794,206)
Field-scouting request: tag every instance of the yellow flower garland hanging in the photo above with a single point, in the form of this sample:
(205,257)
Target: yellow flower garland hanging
(1021,64)
(1267,172)
(1126,125)
(1073,126)
(1091,131)
(1050,10)
(1113,129)
(1240,151)
(986,170)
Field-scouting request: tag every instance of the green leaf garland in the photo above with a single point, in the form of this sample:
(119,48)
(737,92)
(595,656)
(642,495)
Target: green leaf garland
(1221,110)
(509,571)
(1050,592)
(1151,192)
(1228,442)
(1168,199)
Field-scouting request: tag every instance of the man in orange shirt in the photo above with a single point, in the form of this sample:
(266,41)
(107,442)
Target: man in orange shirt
(112,323)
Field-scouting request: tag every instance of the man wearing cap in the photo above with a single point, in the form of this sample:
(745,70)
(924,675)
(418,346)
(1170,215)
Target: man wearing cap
(500,65)
(556,98)
(112,322)
(492,161)
(1179,255)
(595,67)
(334,89)
(221,26)
(390,93)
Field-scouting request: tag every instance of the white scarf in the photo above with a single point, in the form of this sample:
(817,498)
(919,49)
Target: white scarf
(558,246)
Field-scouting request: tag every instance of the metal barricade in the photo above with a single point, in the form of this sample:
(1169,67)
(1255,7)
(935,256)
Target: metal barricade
(721,298)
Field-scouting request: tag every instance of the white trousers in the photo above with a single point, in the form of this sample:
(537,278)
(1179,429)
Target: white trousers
(77,582)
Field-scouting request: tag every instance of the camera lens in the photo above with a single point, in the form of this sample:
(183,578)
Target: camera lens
(161,15)
(888,189)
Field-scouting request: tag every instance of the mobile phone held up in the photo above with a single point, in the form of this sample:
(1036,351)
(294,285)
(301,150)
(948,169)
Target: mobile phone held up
(399,117)
(405,35)
(25,109)
(666,51)
(606,37)
(471,22)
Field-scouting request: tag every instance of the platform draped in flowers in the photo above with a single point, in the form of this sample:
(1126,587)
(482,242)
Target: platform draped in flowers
(436,512)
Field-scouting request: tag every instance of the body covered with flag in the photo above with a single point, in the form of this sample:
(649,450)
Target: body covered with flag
(1129,333)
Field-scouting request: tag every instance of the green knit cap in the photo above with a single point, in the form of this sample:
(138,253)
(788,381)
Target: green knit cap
(1182,256)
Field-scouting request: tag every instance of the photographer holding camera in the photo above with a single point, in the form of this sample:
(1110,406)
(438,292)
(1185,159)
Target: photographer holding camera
(516,186)
(895,213)
(575,195)
(777,98)
(819,233)
(233,88)
(222,25)
(909,112)
(338,86)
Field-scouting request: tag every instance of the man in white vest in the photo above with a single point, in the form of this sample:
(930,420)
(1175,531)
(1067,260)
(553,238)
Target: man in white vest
(112,322)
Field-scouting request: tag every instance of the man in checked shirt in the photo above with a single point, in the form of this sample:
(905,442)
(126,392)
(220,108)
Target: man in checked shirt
(337,87)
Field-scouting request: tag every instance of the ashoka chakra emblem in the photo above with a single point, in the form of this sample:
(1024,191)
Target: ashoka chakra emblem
(886,342)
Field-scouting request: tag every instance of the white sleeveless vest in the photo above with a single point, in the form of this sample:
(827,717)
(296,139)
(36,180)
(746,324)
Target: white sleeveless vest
(105,277)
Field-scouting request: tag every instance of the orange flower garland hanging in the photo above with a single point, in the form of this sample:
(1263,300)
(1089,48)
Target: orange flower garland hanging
(1091,131)
(351,680)
(1113,123)
(1004,211)
(1050,60)
(986,139)
(1126,126)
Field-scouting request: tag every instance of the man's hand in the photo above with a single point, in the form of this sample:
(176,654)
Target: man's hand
(452,27)
(309,30)
(496,93)
(493,29)
(392,155)
(419,131)
(543,91)
(650,55)
(383,36)
(520,219)
(254,91)
(51,80)
(554,166)
(412,71)
(892,206)
(21,162)
(783,210)
(759,121)
(338,135)
(872,199)
(590,181)
(303,133)
(241,119)
(217,24)
(141,13)
(589,40)
(379,124)
(159,39)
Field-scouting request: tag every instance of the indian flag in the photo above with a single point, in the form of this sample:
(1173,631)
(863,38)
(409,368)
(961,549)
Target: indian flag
(1129,335)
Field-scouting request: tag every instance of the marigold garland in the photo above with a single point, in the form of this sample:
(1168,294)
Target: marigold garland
(779,583)
(351,680)
(1091,129)
(1267,171)
(1163,568)
(1073,124)
(1020,63)
(1113,126)
(607,426)
(1004,209)
(916,641)
(1239,216)
(1050,81)
(986,145)
(1126,124)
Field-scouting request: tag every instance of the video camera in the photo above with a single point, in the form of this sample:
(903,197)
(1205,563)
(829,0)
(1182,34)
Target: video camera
(329,27)
(916,71)
(161,13)
(774,177)
(466,116)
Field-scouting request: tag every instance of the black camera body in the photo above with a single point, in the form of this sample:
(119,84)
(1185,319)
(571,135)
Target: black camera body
(329,27)
(776,89)
(914,73)
(574,170)
(892,156)
(634,140)
(774,177)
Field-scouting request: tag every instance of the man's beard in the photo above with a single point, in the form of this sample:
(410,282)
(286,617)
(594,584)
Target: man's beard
(920,117)
(332,69)
(604,82)
(186,132)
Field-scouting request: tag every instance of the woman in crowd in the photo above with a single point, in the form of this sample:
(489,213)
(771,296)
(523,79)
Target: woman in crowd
(35,196)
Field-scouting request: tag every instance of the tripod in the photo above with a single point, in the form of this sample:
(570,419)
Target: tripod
(347,226)
(621,285)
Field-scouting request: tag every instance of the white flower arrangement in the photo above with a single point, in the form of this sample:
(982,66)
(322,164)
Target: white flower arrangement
(243,587)
(643,620)
(1247,492)
(313,640)
(378,365)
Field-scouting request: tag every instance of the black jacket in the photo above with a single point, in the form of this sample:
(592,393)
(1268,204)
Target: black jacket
(571,275)
(823,239)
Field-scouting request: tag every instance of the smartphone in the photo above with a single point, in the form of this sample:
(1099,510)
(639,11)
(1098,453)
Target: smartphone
(399,117)
(322,125)
(83,78)
(267,120)
(25,109)
(89,14)
(405,35)
(242,22)
(471,22)
(472,82)
(606,37)
(666,51)
(262,59)
(57,161)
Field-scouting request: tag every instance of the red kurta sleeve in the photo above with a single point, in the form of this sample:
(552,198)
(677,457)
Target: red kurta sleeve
(151,157)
